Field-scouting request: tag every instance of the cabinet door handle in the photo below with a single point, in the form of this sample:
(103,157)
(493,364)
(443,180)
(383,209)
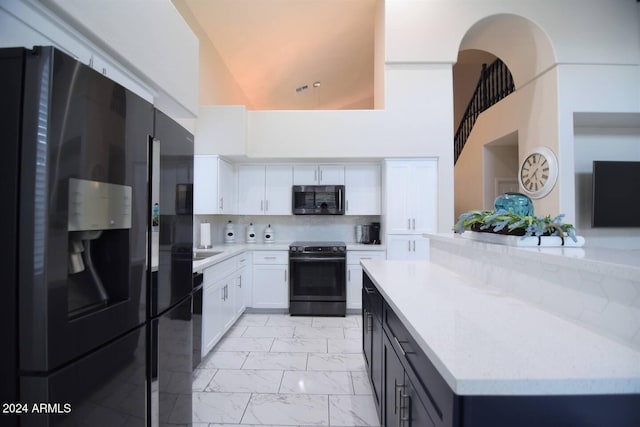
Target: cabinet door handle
(414,246)
(347,205)
(349,276)
(398,390)
(240,282)
(261,205)
(285,275)
(408,223)
(315,175)
(269,257)
(369,290)
(321,175)
(266,205)
(413,221)
(221,203)
(407,409)
(409,242)
(404,353)
(365,257)
(369,322)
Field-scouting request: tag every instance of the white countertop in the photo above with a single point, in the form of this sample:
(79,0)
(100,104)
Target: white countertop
(624,264)
(229,250)
(486,343)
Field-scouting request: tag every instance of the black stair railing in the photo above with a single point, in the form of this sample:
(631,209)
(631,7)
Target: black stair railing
(494,84)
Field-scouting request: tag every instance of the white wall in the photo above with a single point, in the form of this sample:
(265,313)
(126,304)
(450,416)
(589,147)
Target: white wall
(158,62)
(594,71)
(581,31)
(619,142)
(23,25)
(411,125)
(589,88)
(221,130)
(216,85)
(150,37)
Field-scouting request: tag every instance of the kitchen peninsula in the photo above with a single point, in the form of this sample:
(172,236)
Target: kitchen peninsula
(463,343)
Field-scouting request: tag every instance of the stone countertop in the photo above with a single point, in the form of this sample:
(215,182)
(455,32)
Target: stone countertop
(623,264)
(484,342)
(226,251)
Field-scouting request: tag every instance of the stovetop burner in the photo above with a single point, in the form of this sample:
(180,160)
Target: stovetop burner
(318,244)
(318,248)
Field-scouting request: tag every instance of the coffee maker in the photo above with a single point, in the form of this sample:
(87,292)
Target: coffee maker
(374,233)
(368,234)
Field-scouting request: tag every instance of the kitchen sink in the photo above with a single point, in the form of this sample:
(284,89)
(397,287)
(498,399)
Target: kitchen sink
(199,256)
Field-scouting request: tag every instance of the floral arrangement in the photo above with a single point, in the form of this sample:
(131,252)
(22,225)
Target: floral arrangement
(507,222)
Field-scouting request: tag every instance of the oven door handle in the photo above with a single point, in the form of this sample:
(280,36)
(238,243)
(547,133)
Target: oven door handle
(314,259)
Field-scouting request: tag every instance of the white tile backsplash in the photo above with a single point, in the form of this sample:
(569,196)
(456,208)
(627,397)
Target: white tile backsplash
(287,228)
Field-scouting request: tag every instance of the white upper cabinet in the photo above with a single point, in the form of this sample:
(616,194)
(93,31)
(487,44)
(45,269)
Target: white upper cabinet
(226,188)
(410,203)
(278,182)
(214,188)
(251,181)
(362,189)
(318,175)
(264,189)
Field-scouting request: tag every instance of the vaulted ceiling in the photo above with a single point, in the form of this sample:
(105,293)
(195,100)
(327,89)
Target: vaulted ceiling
(278,49)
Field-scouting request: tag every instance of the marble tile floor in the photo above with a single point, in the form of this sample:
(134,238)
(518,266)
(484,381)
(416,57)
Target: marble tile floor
(278,370)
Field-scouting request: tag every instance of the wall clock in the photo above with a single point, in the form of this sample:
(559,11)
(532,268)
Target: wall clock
(538,172)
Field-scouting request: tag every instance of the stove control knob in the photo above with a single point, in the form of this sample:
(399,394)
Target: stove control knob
(341,249)
(334,249)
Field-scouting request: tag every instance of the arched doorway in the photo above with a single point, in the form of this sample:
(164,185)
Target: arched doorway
(506,131)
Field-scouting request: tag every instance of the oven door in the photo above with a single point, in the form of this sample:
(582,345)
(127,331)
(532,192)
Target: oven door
(317,279)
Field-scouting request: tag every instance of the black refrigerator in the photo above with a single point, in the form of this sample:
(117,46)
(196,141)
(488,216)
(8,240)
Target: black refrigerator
(96,298)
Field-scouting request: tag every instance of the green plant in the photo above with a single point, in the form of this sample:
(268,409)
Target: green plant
(506,221)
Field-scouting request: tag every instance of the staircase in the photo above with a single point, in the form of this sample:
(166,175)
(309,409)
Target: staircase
(494,84)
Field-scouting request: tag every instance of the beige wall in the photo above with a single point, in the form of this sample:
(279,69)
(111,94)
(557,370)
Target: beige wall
(217,86)
(526,112)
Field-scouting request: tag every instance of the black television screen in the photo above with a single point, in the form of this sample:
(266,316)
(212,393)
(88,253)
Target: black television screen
(616,194)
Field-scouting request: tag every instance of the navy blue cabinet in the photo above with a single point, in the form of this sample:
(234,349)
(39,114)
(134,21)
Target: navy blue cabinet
(372,338)
(410,392)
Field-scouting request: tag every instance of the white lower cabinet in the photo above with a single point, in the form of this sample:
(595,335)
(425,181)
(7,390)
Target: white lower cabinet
(354,275)
(211,316)
(242,285)
(228,305)
(407,246)
(223,299)
(270,284)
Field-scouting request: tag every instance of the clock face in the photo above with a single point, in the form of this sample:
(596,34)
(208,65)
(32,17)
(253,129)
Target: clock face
(538,172)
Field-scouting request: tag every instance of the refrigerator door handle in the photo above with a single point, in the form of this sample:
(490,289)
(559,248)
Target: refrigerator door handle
(154,376)
(153,256)
(154,199)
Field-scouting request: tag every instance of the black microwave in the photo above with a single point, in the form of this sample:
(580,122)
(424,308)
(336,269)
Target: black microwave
(318,199)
